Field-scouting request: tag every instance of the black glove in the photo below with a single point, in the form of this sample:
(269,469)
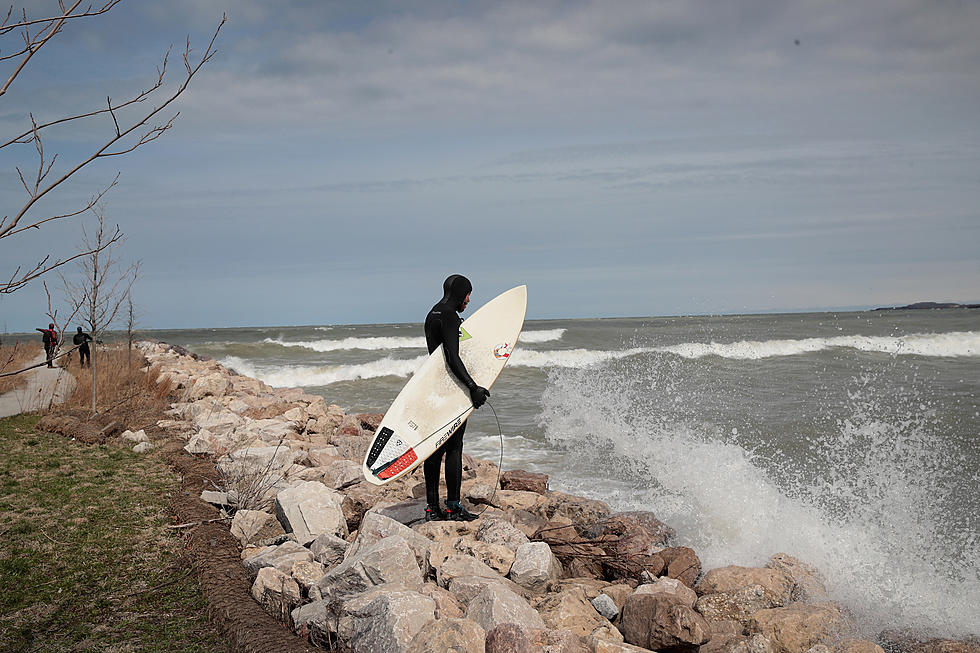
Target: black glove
(479,395)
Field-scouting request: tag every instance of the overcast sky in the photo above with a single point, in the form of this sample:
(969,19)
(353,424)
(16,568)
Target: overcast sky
(336,160)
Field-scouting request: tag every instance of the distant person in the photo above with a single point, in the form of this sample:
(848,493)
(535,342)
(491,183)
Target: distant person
(442,328)
(82,340)
(50,339)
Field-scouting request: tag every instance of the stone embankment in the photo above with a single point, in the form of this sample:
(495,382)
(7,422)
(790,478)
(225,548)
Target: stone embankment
(350,566)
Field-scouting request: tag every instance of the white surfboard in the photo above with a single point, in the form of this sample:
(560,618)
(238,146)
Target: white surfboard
(433,404)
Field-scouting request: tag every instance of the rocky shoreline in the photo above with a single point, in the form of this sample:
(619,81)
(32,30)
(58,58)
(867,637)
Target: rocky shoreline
(350,566)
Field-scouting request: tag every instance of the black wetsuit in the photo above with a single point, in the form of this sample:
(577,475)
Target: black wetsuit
(442,328)
(82,340)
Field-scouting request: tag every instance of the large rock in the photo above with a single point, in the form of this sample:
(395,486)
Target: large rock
(519,479)
(800,626)
(459,635)
(376,527)
(247,524)
(671,588)
(384,620)
(682,563)
(864,646)
(776,582)
(738,604)
(578,510)
(496,556)
(211,385)
(456,566)
(447,605)
(219,422)
(662,623)
(622,523)
(496,605)
(571,610)
(315,622)
(282,557)
(277,592)
(808,585)
(534,566)
(307,509)
(498,531)
(391,560)
(269,430)
(342,474)
(329,550)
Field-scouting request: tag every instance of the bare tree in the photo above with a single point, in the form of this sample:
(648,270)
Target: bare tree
(104,287)
(131,317)
(127,130)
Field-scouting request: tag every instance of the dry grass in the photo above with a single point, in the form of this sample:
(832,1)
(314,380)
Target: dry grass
(124,388)
(14,357)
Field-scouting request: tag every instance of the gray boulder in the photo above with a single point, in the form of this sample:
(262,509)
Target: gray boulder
(376,527)
(534,566)
(384,620)
(282,557)
(329,550)
(497,605)
(391,560)
(307,509)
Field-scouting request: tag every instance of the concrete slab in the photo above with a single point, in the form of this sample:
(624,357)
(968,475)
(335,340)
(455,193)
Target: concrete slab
(44,387)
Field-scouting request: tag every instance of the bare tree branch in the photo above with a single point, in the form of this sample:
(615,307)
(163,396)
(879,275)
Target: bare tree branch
(140,128)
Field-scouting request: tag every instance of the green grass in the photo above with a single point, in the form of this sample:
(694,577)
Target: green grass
(86,560)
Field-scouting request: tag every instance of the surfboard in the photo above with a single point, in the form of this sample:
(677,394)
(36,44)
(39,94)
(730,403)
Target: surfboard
(433,404)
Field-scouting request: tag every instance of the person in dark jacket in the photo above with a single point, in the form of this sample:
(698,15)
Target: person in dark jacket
(82,339)
(442,328)
(49,337)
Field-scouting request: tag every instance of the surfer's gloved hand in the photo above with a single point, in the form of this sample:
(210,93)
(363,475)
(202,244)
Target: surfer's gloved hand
(478,395)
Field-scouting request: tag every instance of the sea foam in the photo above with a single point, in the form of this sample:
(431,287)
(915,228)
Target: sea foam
(867,503)
(313,375)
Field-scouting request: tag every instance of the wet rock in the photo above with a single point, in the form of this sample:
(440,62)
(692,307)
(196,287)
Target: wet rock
(671,588)
(519,479)
(277,593)
(738,604)
(462,635)
(496,605)
(776,582)
(682,563)
(534,566)
(864,646)
(383,620)
(577,510)
(800,626)
(307,509)
(662,623)
(808,585)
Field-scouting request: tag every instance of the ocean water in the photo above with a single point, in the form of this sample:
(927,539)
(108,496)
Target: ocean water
(849,440)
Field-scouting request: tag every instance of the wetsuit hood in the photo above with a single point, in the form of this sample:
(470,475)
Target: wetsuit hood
(455,288)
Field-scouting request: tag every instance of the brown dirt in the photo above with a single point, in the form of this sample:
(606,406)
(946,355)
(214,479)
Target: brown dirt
(216,553)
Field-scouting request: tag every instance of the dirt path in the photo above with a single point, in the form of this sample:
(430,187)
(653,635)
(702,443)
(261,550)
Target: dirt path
(44,387)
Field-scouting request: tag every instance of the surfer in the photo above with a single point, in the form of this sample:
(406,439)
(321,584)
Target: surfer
(442,328)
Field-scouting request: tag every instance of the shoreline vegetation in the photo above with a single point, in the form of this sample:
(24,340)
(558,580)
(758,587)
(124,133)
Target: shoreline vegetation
(930,306)
(294,551)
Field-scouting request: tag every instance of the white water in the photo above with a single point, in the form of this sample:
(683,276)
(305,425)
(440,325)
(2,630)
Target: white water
(865,504)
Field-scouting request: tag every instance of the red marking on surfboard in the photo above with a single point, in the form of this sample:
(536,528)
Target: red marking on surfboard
(400,465)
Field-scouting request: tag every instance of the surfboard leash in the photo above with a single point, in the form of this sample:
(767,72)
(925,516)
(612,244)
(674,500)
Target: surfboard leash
(500,463)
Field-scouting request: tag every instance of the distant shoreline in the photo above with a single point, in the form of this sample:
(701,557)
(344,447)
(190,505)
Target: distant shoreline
(927,306)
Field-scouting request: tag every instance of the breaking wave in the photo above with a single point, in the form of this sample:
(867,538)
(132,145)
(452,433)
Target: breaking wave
(320,375)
